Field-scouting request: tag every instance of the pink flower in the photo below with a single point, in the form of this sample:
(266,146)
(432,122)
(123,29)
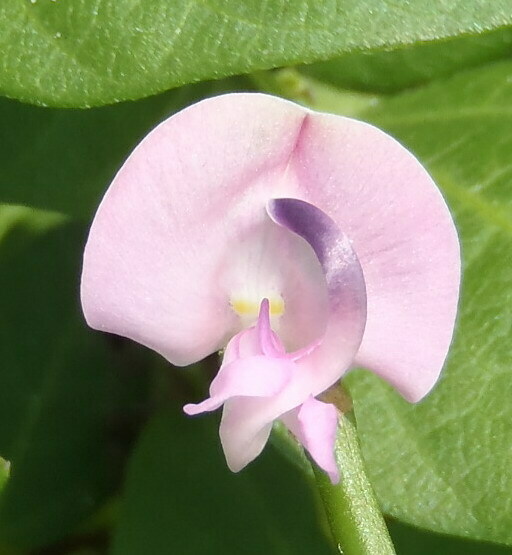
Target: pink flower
(307,243)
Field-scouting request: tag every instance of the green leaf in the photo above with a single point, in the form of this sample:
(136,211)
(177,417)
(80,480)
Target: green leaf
(64,159)
(181,498)
(318,95)
(391,71)
(445,463)
(82,53)
(59,390)
(409,540)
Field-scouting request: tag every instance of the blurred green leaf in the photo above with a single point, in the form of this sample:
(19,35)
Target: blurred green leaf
(445,463)
(64,159)
(412,541)
(58,384)
(391,71)
(82,53)
(181,498)
(313,93)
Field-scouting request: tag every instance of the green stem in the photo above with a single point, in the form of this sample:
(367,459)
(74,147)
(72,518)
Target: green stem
(4,472)
(352,510)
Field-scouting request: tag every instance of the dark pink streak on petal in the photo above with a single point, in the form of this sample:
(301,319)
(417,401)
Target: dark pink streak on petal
(269,343)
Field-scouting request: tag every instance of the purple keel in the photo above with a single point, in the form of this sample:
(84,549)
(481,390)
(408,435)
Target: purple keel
(345,285)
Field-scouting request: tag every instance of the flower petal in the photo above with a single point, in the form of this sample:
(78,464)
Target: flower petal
(255,376)
(404,237)
(314,424)
(157,249)
(158,261)
(241,448)
(346,292)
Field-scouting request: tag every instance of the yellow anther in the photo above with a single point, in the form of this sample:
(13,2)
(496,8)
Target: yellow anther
(245,307)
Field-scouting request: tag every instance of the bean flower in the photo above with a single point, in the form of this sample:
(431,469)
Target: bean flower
(300,243)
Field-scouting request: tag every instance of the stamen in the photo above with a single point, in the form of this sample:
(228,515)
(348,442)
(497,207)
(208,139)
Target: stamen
(250,307)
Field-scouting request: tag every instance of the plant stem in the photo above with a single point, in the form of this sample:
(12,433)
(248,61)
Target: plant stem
(354,517)
(4,472)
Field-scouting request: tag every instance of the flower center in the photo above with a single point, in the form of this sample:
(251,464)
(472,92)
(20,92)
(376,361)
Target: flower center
(249,308)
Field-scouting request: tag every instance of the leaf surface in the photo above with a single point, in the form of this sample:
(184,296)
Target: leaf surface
(394,70)
(180,497)
(59,389)
(83,52)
